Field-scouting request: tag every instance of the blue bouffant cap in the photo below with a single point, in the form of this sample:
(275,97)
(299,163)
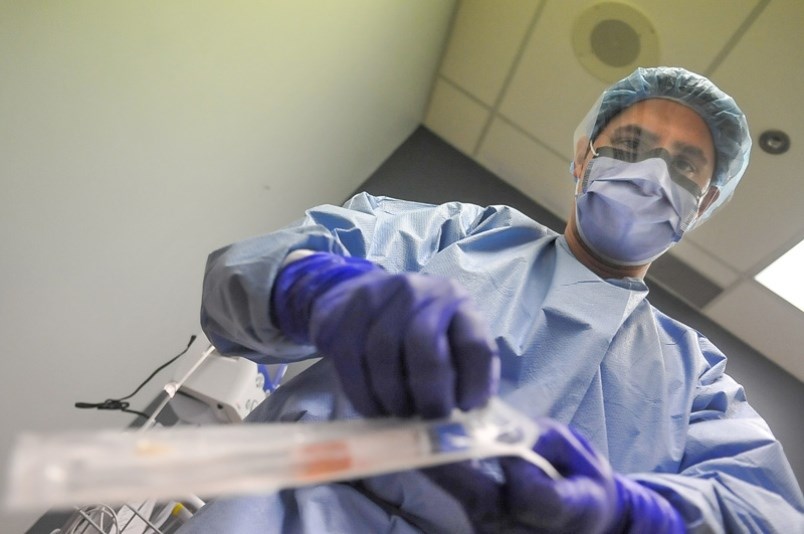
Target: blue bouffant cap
(726,121)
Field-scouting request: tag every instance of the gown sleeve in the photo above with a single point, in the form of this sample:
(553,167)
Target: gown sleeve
(734,476)
(398,235)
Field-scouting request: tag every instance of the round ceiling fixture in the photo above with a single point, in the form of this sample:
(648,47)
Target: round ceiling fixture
(774,142)
(611,39)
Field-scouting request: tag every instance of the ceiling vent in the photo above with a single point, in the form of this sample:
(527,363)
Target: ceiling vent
(611,39)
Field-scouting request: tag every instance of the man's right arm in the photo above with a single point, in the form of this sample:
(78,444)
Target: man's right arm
(238,282)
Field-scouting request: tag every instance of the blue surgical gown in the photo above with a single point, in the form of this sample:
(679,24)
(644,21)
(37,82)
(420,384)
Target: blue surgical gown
(649,392)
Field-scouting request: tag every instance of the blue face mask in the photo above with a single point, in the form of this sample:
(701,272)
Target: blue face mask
(631,208)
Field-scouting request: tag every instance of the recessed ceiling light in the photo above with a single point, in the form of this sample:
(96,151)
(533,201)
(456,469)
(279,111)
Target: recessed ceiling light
(774,142)
(783,276)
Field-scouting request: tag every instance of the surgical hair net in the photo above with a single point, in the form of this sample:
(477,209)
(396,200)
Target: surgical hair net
(725,120)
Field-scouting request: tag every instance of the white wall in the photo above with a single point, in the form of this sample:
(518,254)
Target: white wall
(136,137)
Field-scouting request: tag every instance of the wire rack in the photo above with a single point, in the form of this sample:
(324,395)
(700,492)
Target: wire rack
(147,517)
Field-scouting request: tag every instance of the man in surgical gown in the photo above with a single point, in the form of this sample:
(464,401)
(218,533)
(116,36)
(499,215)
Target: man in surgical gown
(559,326)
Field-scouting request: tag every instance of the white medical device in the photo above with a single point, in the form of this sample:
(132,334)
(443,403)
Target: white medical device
(222,389)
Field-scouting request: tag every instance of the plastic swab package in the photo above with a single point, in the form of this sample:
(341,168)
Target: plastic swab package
(59,470)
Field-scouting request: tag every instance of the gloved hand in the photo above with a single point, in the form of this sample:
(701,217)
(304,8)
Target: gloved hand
(591,498)
(402,344)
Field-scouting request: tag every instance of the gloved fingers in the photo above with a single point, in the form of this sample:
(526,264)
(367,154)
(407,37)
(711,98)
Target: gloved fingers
(479,495)
(474,355)
(569,452)
(572,504)
(428,359)
(646,510)
(339,327)
(404,344)
(527,487)
(383,358)
(585,500)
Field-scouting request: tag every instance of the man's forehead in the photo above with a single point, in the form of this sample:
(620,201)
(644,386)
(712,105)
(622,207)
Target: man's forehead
(657,118)
(634,129)
(658,109)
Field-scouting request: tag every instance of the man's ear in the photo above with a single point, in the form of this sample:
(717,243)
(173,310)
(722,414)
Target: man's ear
(708,199)
(581,150)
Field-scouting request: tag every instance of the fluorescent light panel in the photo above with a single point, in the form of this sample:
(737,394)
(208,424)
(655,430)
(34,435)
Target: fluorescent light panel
(785,276)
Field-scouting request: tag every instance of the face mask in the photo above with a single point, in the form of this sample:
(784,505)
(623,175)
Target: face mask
(630,209)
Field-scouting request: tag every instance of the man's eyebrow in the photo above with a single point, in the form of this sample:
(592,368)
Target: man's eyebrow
(691,151)
(637,131)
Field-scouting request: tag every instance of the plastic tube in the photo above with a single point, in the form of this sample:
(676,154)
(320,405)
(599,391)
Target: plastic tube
(79,468)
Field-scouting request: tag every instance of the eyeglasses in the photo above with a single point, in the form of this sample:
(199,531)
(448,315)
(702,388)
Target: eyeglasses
(680,169)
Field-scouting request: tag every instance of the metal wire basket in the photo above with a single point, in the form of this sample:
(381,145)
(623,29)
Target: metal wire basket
(147,517)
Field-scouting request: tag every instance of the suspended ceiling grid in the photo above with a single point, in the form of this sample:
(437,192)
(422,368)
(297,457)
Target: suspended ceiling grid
(511,90)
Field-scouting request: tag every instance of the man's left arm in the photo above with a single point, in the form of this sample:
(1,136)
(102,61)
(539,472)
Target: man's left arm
(733,477)
(734,472)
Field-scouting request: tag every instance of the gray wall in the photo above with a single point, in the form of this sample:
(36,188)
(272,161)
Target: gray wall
(137,137)
(427,169)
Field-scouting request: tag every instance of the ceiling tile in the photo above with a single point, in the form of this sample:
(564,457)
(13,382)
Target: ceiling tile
(530,167)
(703,262)
(765,76)
(485,39)
(781,341)
(765,214)
(550,80)
(455,116)
(687,35)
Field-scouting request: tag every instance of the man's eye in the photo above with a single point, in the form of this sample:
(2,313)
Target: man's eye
(627,143)
(627,148)
(684,167)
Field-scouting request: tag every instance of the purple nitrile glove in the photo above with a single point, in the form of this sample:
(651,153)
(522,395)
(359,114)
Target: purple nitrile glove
(402,344)
(591,498)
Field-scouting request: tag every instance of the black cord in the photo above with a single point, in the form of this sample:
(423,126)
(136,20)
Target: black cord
(111,404)
(121,404)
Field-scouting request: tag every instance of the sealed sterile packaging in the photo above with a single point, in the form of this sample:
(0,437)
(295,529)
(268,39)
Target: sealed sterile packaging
(61,470)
